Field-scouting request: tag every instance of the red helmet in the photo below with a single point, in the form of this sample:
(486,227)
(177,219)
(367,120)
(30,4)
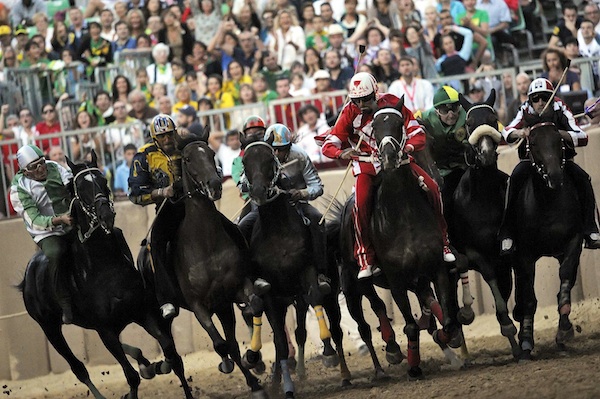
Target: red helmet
(253,121)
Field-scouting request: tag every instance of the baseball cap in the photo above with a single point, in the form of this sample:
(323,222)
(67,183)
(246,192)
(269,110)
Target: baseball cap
(445,95)
(476,86)
(335,29)
(21,30)
(188,110)
(5,30)
(321,74)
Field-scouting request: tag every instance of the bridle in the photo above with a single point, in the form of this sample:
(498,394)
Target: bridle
(90,210)
(199,187)
(478,150)
(398,146)
(272,190)
(540,167)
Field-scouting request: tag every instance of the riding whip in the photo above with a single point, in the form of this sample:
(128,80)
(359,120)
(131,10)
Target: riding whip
(557,86)
(361,50)
(145,240)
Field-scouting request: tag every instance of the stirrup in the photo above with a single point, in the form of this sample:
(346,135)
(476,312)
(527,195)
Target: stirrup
(448,255)
(261,286)
(592,241)
(168,311)
(376,270)
(507,246)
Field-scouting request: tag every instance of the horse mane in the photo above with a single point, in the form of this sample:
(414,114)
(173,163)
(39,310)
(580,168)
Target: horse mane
(183,141)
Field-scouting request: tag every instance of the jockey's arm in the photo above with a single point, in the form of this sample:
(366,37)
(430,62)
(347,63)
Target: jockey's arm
(141,191)
(574,136)
(416,136)
(314,185)
(337,140)
(516,129)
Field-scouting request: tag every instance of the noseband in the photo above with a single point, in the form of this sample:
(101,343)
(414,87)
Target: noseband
(199,187)
(90,210)
(272,190)
(540,167)
(398,146)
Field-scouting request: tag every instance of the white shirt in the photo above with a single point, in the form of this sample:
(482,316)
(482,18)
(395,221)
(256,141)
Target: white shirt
(306,140)
(226,155)
(418,96)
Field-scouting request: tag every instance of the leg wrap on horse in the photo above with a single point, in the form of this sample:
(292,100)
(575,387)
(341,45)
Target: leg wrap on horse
(256,342)
(564,298)
(412,332)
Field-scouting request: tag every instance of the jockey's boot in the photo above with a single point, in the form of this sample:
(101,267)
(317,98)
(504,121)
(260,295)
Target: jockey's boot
(261,286)
(376,270)
(168,311)
(507,246)
(324,284)
(365,272)
(592,241)
(448,255)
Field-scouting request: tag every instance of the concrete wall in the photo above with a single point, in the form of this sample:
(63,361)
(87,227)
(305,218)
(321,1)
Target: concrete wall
(25,353)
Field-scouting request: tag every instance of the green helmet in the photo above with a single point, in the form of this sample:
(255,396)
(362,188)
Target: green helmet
(445,95)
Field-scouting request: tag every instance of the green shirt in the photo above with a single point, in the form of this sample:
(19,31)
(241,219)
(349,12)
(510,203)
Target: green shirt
(478,18)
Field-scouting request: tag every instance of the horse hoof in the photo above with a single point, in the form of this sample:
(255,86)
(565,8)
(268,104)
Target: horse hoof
(331,361)
(394,357)
(147,373)
(289,395)
(346,383)
(465,316)
(563,336)
(456,340)
(226,366)
(292,363)
(260,367)
(380,375)
(517,352)
(162,367)
(509,330)
(260,394)
(415,373)
(525,356)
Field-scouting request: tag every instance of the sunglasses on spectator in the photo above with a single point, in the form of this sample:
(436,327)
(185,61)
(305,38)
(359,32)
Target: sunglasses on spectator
(36,165)
(444,109)
(365,99)
(537,97)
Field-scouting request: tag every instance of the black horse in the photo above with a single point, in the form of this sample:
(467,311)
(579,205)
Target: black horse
(280,253)
(478,206)
(550,224)
(407,241)
(211,256)
(107,291)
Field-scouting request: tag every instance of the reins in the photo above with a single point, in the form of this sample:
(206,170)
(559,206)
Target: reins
(273,191)
(540,167)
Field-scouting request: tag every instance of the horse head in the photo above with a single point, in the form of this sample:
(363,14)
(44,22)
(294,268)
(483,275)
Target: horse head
(390,134)
(262,169)
(482,129)
(546,151)
(199,172)
(92,206)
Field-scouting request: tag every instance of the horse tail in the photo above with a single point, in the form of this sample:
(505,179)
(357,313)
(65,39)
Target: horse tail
(21,285)
(333,220)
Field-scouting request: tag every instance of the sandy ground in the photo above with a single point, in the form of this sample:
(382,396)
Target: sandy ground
(574,373)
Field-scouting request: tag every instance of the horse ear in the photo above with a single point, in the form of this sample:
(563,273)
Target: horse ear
(70,164)
(400,104)
(492,98)
(466,104)
(206,133)
(94,163)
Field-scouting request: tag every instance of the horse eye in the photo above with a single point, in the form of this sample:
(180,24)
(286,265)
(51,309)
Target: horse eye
(186,159)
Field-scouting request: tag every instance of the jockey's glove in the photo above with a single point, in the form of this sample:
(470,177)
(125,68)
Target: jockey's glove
(298,195)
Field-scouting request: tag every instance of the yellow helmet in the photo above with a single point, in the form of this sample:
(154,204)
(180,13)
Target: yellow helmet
(161,124)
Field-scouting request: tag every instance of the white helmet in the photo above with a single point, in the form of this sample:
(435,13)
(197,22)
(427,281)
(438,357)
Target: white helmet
(540,85)
(361,85)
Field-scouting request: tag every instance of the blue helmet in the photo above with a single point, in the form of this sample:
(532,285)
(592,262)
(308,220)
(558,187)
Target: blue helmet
(278,135)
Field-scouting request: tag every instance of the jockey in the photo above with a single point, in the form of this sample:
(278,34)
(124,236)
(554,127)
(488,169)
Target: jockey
(355,122)
(39,194)
(539,93)
(253,130)
(303,184)
(446,131)
(154,177)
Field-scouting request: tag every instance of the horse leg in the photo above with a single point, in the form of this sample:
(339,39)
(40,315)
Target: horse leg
(227,318)
(393,354)
(412,333)
(276,315)
(110,339)
(160,329)
(291,349)
(301,311)
(57,339)
(354,301)
(219,344)
(525,304)
(450,333)
(333,308)
(568,275)
(465,314)
(146,370)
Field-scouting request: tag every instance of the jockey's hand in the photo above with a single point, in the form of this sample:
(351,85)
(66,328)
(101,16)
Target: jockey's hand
(409,148)
(62,219)
(348,153)
(168,192)
(298,195)
(519,134)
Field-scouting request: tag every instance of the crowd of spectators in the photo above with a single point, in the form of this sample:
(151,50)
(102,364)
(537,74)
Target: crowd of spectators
(213,54)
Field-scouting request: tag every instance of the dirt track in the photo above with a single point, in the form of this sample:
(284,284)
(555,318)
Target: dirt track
(492,373)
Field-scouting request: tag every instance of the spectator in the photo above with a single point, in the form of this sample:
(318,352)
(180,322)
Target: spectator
(9,60)
(176,36)
(352,21)
(567,26)
(499,22)
(431,24)
(159,90)
(318,39)
(78,28)
(84,143)
(271,69)
(121,185)
(186,115)
(421,51)
(290,42)
(121,10)
(139,107)
(201,61)
(327,15)
(261,89)
(219,98)
(165,105)
(95,51)
(267,33)
(247,54)
(329,106)
(312,64)
(56,154)
(142,82)
(49,125)
(235,78)
(143,42)
(116,137)
(106,21)
(34,55)
(24,10)
(591,11)
(384,13)
(121,89)
(384,70)
(554,63)
(21,39)
(588,45)
(40,21)
(571,53)
(339,76)
(160,71)
(478,21)
(336,43)
(183,96)
(247,20)
(123,41)
(418,93)
(225,43)
(476,92)
(523,81)
(453,6)
(307,13)
(286,113)
(154,27)
(136,22)
(206,19)
(5,37)
(376,39)
(61,39)
(152,8)
(297,85)
(229,151)
(313,125)
(407,13)
(177,75)
(455,62)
